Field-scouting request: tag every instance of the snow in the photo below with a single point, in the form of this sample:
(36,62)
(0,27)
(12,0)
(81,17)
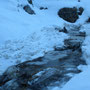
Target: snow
(25,37)
(14,17)
(86,44)
(56,88)
(79,81)
(34,46)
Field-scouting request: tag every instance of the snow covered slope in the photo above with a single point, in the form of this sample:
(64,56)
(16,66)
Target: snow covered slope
(25,37)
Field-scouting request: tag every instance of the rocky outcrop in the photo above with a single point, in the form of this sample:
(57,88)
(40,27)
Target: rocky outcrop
(28,9)
(70,14)
(52,69)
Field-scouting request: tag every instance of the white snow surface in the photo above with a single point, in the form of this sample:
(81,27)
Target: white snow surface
(79,81)
(86,44)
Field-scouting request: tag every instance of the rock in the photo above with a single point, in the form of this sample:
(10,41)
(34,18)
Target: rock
(76,38)
(82,34)
(28,9)
(65,30)
(80,11)
(78,0)
(43,8)
(30,1)
(61,30)
(70,44)
(68,14)
(88,21)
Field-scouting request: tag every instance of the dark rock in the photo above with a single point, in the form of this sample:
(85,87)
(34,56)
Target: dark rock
(68,14)
(30,1)
(60,48)
(88,21)
(65,30)
(28,9)
(78,0)
(82,34)
(61,30)
(72,45)
(80,11)
(43,8)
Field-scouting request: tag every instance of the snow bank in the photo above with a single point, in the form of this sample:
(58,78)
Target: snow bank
(86,44)
(80,81)
(34,46)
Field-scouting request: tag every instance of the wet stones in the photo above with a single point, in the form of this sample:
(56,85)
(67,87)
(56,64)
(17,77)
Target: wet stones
(74,42)
(76,38)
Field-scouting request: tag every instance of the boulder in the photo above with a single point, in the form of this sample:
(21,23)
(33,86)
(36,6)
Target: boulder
(28,9)
(69,14)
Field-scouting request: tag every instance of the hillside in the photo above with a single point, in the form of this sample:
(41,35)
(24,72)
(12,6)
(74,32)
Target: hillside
(44,45)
